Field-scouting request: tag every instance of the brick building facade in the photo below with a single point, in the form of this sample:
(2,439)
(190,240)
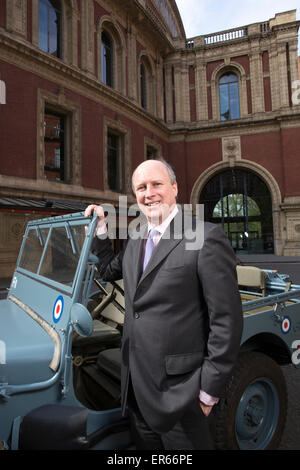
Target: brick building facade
(91,88)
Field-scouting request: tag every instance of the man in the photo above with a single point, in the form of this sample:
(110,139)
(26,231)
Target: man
(183,319)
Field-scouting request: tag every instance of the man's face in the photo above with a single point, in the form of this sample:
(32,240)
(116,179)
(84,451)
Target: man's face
(155,194)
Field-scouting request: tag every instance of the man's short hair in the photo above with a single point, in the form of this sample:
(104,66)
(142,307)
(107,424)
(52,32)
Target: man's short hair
(168,167)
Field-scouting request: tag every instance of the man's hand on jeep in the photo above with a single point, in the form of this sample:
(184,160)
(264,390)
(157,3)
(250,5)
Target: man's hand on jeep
(101,226)
(94,208)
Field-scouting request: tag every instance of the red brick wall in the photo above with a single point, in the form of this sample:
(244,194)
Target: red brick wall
(190,159)
(210,67)
(18,124)
(267,94)
(244,62)
(291,152)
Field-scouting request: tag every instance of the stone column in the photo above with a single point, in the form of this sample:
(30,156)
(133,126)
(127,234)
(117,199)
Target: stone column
(283,76)
(159,89)
(256,77)
(201,90)
(293,56)
(181,83)
(74,37)
(274,77)
(132,63)
(169,92)
(16,17)
(87,36)
(69,35)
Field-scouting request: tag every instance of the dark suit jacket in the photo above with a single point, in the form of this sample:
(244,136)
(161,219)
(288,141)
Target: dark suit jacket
(183,321)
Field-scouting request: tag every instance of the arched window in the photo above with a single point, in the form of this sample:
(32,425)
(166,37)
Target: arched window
(107,54)
(143,86)
(240,202)
(229,97)
(50,26)
(146,85)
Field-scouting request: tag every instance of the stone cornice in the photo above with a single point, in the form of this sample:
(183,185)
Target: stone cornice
(260,123)
(153,23)
(286,26)
(290,207)
(11,186)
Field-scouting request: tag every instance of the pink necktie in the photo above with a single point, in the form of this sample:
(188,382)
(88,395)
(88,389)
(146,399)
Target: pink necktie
(149,247)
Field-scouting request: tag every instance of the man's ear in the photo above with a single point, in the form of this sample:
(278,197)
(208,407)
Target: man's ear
(175,187)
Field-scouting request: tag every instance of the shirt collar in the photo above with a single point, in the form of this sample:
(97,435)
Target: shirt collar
(165,223)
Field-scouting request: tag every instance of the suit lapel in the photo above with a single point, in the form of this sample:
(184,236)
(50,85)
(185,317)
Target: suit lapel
(168,242)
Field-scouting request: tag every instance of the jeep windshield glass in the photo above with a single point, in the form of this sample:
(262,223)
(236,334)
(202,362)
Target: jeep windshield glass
(58,258)
(33,249)
(61,259)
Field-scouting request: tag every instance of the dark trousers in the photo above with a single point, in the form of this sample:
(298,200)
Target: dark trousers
(194,431)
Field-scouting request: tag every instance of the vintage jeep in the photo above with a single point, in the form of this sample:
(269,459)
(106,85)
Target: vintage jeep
(44,313)
(60,336)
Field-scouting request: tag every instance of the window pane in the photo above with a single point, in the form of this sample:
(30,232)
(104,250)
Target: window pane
(151,153)
(229,97)
(103,63)
(113,162)
(234,101)
(54,138)
(224,103)
(228,78)
(43,26)
(106,59)
(53,29)
(143,87)
(49,26)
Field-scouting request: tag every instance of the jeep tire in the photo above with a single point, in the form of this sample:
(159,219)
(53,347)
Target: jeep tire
(253,413)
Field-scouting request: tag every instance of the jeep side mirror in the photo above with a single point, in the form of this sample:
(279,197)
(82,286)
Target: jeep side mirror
(81,319)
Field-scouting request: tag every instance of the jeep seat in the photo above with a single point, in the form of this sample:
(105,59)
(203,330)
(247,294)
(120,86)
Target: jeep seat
(251,278)
(103,336)
(107,328)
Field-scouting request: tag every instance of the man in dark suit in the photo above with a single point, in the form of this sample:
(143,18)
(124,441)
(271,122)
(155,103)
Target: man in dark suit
(183,321)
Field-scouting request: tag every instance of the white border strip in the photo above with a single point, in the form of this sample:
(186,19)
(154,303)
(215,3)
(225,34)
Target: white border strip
(48,328)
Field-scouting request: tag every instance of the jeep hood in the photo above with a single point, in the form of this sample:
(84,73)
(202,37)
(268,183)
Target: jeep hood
(26,348)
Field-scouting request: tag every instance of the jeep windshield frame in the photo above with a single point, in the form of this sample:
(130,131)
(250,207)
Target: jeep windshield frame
(54,250)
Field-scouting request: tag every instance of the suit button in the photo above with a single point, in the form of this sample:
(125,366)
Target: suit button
(136,315)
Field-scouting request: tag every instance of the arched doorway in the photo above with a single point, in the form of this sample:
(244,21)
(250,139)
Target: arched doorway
(241,203)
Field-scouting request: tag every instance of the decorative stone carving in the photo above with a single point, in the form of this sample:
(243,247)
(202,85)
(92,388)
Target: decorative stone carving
(231,149)
(293,228)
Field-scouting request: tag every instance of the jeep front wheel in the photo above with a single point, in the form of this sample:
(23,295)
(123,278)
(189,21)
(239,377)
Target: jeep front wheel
(253,413)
